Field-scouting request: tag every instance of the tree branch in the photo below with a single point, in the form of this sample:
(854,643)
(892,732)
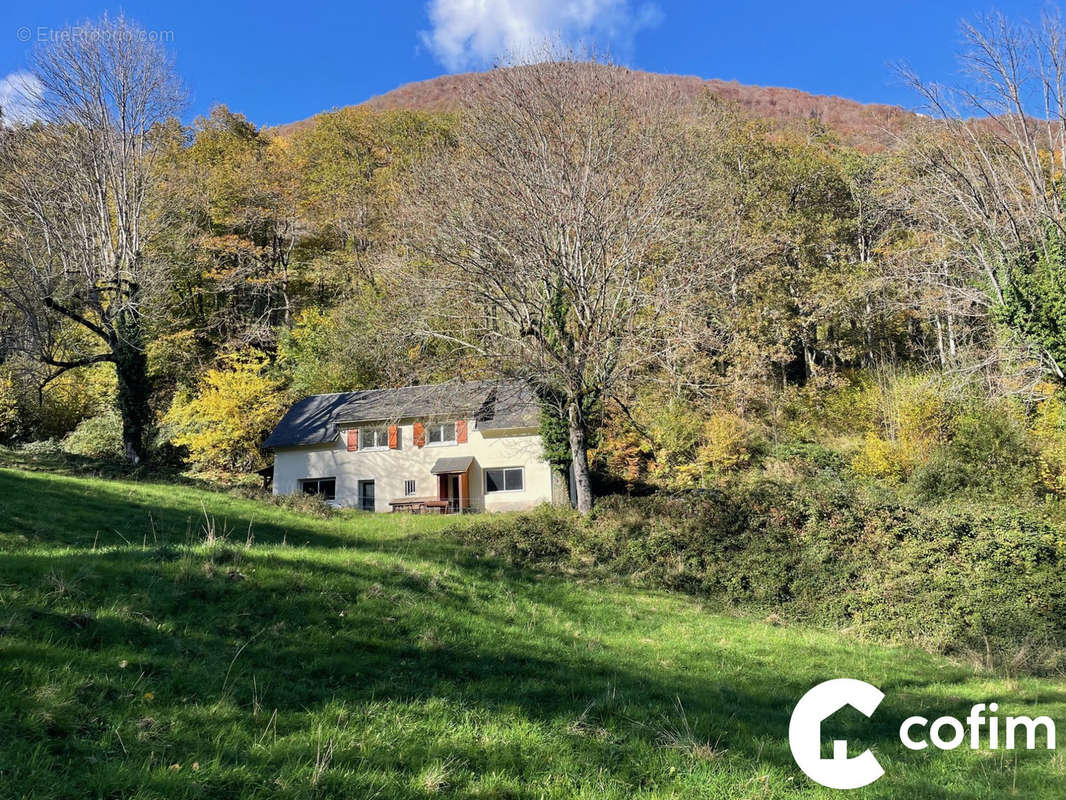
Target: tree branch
(76,317)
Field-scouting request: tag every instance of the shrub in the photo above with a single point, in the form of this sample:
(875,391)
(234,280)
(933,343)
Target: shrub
(70,399)
(313,504)
(97,437)
(42,448)
(727,443)
(235,406)
(544,535)
(678,446)
(988,452)
(961,579)
(1049,434)
(910,416)
(809,457)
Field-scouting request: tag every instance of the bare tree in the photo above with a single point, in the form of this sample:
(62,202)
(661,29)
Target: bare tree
(987,168)
(545,240)
(73,221)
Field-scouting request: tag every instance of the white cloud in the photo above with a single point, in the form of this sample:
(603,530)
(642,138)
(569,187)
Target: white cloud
(473,33)
(18,91)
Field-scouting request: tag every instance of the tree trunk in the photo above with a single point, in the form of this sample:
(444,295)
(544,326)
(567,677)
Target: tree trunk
(134,389)
(940,340)
(580,456)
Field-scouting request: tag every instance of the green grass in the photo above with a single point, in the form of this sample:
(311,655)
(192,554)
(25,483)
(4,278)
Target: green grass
(370,656)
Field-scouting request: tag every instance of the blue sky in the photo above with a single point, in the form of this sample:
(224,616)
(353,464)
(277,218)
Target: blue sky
(281,61)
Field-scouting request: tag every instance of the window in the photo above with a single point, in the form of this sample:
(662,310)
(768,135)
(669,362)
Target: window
(441,433)
(373,438)
(409,488)
(510,479)
(327,487)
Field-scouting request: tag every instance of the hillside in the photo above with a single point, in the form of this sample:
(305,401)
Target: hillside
(870,126)
(371,656)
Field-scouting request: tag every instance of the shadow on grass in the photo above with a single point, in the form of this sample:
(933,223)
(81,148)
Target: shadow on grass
(58,462)
(188,642)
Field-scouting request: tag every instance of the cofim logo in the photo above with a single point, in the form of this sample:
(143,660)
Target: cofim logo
(981,728)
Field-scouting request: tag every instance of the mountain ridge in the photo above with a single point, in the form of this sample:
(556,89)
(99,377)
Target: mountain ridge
(870,126)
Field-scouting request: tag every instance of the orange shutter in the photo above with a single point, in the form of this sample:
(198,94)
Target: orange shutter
(460,431)
(394,437)
(420,435)
(353,439)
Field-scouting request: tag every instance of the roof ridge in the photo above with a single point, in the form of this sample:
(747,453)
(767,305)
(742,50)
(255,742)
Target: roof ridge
(415,386)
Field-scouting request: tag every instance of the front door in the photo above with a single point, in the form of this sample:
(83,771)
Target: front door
(448,489)
(453,493)
(366,495)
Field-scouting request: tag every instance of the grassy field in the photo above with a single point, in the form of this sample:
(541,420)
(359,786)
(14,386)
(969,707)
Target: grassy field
(369,656)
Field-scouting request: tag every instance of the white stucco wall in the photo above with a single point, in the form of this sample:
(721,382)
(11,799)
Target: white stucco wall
(390,468)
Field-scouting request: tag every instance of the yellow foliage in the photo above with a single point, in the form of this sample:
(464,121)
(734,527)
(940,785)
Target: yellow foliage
(882,458)
(725,443)
(235,407)
(680,447)
(622,451)
(1049,434)
(172,354)
(9,409)
(77,395)
(910,418)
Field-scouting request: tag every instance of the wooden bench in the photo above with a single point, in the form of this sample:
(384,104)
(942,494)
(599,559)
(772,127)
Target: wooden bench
(420,505)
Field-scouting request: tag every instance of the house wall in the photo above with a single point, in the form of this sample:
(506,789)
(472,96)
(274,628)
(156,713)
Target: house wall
(390,468)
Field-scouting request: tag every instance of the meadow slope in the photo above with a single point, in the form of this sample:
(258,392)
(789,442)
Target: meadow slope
(371,656)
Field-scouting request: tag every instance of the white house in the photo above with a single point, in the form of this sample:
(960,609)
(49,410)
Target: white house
(444,448)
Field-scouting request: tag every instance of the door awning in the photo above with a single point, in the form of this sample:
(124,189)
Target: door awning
(450,466)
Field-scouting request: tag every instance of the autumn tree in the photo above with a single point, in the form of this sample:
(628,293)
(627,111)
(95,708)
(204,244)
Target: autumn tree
(232,410)
(351,162)
(232,225)
(73,191)
(986,169)
(545,238)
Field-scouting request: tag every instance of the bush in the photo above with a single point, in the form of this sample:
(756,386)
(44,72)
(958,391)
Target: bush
(988,453)
(1049,435)
(313,504)
(910,416)
(97,437)
(72,398)
(809,457)
(727,443)
(543,536)
(234,408)
(962,579)
(677,446)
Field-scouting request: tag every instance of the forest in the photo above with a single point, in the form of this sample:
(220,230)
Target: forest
(807,372)
(694,292)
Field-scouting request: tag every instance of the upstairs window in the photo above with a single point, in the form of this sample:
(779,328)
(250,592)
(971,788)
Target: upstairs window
(508,479)
(373,438)
(409,488)
(326,487)
(441,433)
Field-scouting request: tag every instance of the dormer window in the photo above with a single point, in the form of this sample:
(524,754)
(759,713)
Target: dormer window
(441,433)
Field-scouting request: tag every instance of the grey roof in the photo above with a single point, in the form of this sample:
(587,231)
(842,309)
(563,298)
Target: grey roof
(447,466)
(309,421)
(496,405)
(511,404)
